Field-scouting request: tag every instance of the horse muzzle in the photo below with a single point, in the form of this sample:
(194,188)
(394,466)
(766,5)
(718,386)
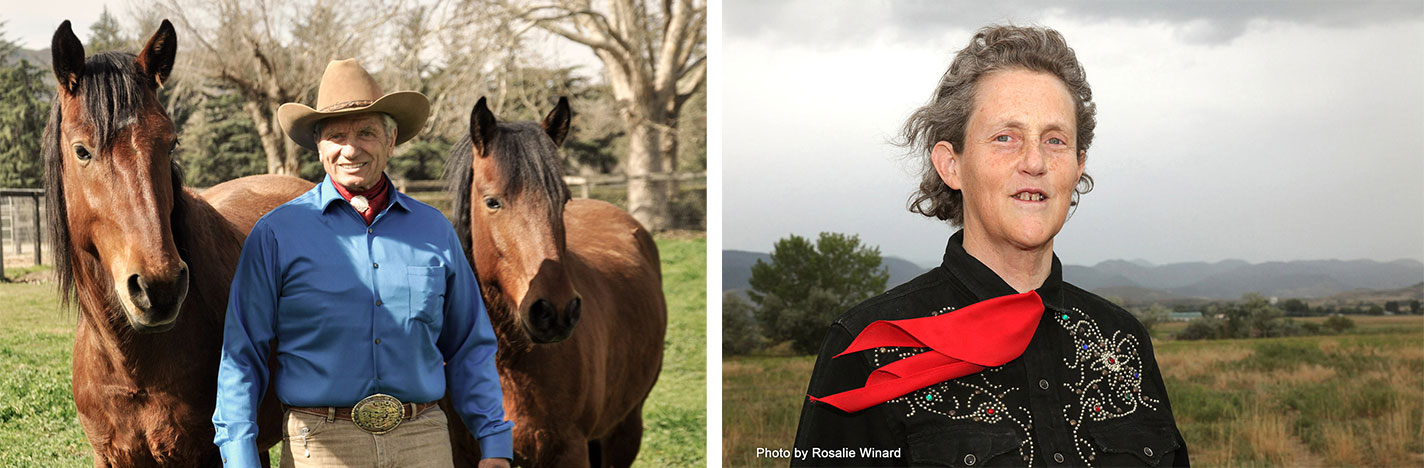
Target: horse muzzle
(152,305)
(546,325)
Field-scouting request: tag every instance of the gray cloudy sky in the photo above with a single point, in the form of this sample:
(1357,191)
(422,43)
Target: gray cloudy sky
(1257,131)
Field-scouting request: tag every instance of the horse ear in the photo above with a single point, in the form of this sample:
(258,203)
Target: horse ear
(156,60)
(68,57)
(482,126)
(556,124)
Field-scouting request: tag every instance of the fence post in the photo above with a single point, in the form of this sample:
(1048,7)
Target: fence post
(39,244)
(15,227)
(2,247)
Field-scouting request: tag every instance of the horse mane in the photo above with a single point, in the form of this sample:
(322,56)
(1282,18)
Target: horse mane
(113,92)
(523,153)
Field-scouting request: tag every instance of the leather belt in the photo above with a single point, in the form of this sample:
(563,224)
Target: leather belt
(377,414)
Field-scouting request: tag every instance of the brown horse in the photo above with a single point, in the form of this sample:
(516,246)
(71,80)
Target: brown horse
(574,290)
(149,262)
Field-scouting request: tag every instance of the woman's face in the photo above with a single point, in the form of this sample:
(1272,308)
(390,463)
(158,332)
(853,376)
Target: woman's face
(1019,165)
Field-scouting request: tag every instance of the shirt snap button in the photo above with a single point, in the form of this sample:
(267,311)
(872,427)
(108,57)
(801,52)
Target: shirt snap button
(378,341)
(1043,384)
(969,460)
(378,302)
(1058,457)
(1147,451)
(375,265)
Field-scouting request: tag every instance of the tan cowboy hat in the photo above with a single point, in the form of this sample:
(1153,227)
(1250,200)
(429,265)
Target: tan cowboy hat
(347,89)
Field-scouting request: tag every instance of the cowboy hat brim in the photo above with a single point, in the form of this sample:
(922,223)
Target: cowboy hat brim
(410,109)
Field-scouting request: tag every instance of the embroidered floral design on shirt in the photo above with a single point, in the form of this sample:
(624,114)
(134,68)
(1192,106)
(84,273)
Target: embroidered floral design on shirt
(1109,383)
(973,397)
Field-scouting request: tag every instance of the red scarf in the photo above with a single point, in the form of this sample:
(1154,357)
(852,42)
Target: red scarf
(968,340)
(377,197)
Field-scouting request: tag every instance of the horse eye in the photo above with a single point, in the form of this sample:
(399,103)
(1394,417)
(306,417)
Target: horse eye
(492,203)
(175,145)
(82,152)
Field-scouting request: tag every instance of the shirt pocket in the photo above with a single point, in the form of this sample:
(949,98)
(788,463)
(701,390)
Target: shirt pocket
(427,292)
(968,446)
(1134,443)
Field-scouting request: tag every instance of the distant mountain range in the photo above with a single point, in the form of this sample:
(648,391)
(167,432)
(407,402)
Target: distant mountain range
(737,269)
(1139,281)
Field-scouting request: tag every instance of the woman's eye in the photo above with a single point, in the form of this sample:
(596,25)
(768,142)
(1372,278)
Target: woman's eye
(1056,141)
(1003,138)
(82,153)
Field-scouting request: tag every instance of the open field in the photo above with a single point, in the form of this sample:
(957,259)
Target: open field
(39,427)
(1348,400)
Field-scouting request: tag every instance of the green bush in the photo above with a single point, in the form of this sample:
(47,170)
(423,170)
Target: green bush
(1339,323)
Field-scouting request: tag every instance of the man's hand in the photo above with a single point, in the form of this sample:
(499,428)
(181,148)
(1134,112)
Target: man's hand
(494,463)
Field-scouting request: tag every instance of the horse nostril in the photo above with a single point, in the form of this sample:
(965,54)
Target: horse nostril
(572,313)
(138,292)
(542,314)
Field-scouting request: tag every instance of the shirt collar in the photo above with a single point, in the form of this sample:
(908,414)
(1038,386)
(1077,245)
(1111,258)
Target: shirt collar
(327,194)
(984,284)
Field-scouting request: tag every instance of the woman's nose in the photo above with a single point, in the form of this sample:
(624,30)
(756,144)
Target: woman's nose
(1033,160)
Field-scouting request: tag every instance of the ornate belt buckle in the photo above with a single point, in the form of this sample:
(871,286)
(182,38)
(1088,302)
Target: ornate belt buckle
(377,414)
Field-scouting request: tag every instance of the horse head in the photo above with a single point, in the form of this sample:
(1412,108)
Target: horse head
(110,178)
(516,213)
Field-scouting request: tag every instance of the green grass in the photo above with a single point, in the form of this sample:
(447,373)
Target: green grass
(39,427)
(1337,400)
(675,415)
(38,424)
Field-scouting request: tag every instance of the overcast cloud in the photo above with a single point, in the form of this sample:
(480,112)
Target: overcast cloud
(1260,131)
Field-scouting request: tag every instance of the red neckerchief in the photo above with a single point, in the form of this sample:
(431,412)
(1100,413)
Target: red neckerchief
(377,196)
(984,334)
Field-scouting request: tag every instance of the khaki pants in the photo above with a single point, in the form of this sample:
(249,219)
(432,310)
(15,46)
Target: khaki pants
(423,442)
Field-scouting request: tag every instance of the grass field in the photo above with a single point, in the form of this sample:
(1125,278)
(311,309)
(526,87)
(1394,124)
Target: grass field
(39,427)
(1348,400)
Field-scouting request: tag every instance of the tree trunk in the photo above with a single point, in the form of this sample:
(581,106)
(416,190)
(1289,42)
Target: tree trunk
(646,203)
(271,141)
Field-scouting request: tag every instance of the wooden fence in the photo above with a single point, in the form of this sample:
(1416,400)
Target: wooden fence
(21,225)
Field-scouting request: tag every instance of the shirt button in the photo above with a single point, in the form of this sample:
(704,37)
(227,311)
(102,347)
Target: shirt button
(378,341)
(1043,384)
(1147,451)
(378,302)
(1058,457)
(368,230)
(969,460)
(375,265)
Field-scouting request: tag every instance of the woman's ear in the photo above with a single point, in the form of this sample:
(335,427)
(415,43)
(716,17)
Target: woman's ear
(1082,163)
(946,163)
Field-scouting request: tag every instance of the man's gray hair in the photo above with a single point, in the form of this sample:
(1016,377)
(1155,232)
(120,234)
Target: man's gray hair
(390,122)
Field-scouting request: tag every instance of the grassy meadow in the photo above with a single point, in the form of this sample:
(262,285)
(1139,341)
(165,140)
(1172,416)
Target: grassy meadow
(39,426)
(1355,399)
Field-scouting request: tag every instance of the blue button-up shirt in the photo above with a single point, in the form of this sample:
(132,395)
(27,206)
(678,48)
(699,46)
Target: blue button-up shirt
(356,310)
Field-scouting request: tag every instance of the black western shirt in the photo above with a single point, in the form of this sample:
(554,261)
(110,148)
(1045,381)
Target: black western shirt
(1086,391)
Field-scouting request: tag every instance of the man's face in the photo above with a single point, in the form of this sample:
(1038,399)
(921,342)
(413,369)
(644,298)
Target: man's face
(354,149)
(1019,165)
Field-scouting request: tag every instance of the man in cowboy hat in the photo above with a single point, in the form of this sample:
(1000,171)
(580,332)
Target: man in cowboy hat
(367,294)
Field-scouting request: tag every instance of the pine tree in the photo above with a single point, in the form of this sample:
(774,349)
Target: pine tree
(23,104)
(106,35)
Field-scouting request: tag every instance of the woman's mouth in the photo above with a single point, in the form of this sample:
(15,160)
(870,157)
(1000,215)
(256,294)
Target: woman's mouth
(1030,196)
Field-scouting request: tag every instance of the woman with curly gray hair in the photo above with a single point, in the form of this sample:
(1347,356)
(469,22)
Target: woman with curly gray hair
(991,359)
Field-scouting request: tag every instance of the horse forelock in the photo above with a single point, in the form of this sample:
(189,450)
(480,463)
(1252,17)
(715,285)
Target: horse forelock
(113,92)
(524,154)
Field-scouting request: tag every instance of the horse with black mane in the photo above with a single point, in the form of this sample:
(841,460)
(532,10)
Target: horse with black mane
(149,262)
(573,288)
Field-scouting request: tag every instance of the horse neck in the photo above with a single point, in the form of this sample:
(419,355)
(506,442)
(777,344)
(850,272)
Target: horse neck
(210,246)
